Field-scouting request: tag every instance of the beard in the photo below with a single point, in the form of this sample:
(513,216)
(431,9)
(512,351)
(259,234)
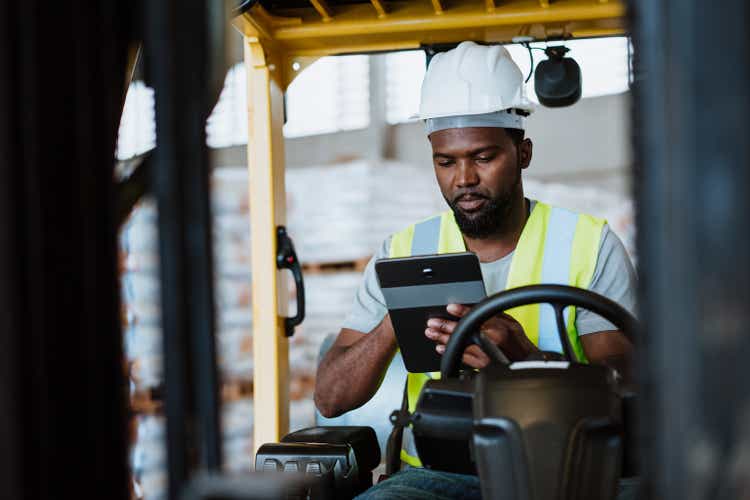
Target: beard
(491,218)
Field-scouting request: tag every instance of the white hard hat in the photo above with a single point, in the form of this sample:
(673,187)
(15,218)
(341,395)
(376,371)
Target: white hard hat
(473,86)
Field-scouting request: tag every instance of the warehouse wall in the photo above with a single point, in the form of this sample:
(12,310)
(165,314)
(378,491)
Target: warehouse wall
(588,142)
(591,136)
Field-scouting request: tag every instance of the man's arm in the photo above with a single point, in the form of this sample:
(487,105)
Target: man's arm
(611,348)
(614,278)
(353,368)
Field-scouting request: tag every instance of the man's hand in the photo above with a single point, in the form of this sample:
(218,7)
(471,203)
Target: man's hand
(502,330)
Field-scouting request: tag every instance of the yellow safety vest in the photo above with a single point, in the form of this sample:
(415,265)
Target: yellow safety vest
(557,246)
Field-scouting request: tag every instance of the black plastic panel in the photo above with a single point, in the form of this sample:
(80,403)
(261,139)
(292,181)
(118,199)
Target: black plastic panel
(442,425)
(593,464)
(499,452)
(549,405)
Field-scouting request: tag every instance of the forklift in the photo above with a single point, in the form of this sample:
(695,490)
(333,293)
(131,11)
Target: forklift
(63,393)
(456,416)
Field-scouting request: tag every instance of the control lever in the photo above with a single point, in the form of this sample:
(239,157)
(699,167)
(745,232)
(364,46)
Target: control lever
(490,348)
(286,258)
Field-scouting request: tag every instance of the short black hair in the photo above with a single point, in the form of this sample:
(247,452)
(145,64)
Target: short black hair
(516,135)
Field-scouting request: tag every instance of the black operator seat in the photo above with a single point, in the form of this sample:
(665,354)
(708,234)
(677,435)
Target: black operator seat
(343,458)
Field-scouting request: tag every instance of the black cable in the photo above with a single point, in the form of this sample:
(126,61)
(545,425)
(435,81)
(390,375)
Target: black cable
(531,63)
(531,59)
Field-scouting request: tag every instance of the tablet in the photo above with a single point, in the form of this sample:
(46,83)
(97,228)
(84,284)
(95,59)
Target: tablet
(418,288)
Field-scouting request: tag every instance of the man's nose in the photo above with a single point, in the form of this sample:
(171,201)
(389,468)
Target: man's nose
(467,174)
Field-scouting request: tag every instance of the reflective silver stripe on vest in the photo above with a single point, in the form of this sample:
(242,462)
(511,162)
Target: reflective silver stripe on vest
(558,248)
(426,237)
(407,443)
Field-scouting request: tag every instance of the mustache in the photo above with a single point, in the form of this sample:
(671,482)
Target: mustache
(469,193)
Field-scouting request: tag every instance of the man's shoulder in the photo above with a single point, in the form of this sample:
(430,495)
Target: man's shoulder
(571,211)
(574,220)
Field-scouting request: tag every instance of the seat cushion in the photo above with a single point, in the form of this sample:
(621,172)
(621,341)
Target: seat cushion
(363,441)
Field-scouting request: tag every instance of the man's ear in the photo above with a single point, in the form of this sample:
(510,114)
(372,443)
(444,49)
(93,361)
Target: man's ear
(524,153)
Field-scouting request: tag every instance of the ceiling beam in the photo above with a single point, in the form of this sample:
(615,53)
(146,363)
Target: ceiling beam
(354,28)
(323,9)
(379,7)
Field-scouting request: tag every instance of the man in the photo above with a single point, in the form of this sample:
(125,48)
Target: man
(474,109)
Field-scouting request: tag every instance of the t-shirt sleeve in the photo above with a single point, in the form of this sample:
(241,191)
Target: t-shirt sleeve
(615,278)
(369,309)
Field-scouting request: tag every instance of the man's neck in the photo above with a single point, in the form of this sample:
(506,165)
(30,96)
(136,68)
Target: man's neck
(499,245)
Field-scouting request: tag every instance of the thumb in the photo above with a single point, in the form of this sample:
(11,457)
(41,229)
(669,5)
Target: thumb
(457,310)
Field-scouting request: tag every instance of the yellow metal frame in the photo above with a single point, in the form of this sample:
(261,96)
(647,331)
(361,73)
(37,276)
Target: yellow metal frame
(265,152)
(279,45)
(323,29)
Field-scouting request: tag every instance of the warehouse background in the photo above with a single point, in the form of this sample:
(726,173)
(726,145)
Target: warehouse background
(358,169)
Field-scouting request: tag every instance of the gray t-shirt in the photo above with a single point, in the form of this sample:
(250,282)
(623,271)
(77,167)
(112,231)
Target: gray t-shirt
(614,277)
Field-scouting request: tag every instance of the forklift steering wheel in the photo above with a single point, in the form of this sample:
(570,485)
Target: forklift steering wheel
(558,296)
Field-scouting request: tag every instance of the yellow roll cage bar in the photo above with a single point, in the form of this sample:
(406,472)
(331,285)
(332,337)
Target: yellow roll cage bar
(279,44)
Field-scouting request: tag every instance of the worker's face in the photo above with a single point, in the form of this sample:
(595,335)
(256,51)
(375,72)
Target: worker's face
(479,173)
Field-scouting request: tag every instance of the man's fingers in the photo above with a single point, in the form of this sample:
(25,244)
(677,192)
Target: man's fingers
(473,350)
(437,336)
(441,324)
(510,326)
(478,353)
(495,333)
(471,361)
(459,310)
(471,358)
(475,359)
(502,330)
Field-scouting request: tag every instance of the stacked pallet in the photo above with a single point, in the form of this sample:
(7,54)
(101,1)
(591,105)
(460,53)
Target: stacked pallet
(143,338)
(354,206)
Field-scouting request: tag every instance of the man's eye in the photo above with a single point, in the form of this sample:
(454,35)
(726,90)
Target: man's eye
(483,159)
(445,163)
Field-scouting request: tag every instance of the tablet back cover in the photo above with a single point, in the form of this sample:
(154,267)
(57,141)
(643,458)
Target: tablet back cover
(417,289)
